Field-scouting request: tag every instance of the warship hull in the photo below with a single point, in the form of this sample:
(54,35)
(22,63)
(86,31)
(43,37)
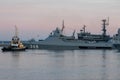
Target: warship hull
(41,46)
(61,44)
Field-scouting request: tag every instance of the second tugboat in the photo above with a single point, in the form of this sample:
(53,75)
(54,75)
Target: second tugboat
(15,44)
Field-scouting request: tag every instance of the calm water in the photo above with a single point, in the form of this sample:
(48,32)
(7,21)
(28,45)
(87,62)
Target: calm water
(60,65)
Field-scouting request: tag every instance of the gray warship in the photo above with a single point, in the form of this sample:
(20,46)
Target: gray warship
(84,40)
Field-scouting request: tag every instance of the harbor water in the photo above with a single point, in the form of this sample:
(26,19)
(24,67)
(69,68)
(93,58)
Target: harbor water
(60,65)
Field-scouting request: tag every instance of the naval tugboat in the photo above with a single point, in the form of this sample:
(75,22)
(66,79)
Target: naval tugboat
(15,44)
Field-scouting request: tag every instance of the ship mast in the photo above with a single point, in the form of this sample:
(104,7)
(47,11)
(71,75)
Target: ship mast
(73,33)
(84,28)
(63,26)
(104,26)
(16,31)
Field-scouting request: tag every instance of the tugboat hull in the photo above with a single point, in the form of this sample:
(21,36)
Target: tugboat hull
(13,49)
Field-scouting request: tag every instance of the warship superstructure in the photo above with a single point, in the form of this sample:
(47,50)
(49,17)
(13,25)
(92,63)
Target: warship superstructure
(85,40)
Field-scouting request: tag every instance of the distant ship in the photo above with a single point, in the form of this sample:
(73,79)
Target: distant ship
(85,40)
(116,40)
(15,44)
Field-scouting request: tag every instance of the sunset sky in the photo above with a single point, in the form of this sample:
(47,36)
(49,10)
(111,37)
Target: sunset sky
(37,18)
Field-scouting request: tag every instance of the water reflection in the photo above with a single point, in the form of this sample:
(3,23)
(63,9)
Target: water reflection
(15,56)
(15,59)
(104,69)
(60,65)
